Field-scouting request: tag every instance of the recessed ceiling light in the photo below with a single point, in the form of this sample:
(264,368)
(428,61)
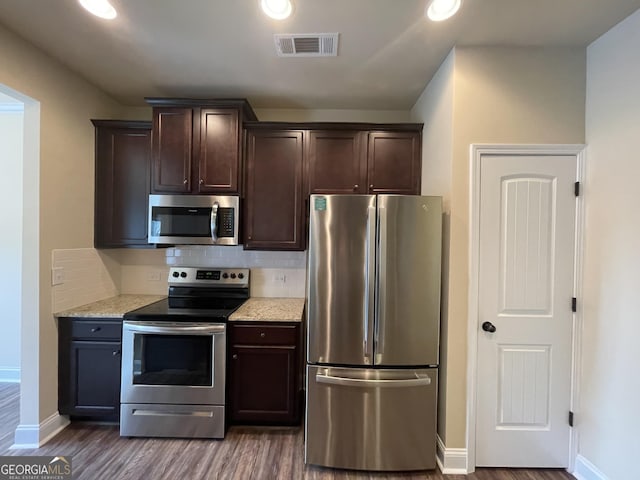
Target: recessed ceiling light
(438,10)
(278,9)
(100,8)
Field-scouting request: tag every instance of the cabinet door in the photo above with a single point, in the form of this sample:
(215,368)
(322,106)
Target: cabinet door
(219,151)
(263,384)
(393,160)
(94,386)
(336,162)
(171,152)
(123,162)
(273,206)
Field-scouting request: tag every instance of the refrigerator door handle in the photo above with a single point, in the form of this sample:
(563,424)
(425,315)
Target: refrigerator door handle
(370,285)
(382,283)
(414,381)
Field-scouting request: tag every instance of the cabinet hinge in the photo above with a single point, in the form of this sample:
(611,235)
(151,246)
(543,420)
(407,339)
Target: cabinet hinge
(571,419)
(574,304)
(576,189)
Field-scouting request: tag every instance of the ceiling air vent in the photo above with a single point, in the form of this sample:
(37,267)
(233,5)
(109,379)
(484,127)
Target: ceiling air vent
(306,44)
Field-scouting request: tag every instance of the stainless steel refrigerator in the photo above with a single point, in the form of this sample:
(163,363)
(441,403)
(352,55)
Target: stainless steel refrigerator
(373,305)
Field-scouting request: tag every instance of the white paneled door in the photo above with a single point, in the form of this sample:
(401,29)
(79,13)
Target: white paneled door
(527,242)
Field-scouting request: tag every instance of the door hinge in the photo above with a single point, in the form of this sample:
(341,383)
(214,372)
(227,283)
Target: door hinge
(574,304)
(576,189)
(571,419)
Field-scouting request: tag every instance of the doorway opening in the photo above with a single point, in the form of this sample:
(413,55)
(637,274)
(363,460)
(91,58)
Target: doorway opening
(19,252)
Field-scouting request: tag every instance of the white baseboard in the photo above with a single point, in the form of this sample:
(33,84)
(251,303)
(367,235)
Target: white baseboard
(451,461)
(585,470)
(9,375)
(34,436)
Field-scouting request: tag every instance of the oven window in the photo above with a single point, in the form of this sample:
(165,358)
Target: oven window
(172,360)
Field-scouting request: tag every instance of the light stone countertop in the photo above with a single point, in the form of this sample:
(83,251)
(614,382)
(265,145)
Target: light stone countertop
(114,307)
(262,309)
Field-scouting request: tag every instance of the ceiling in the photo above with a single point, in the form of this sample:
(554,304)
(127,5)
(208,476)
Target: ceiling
(387,54)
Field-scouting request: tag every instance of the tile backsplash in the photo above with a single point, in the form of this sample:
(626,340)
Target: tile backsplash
(278,282)
(85,276)
(218,256)
(88,275)
(273,274)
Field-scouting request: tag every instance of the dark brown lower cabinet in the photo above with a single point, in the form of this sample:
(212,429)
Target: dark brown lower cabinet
(89,352)
(264,373)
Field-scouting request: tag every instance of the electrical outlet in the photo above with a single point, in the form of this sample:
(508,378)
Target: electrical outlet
(57,276)
(153,276)
(280,278)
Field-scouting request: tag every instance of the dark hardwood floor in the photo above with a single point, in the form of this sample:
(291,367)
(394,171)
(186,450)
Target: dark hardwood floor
(9,413)
(98,452)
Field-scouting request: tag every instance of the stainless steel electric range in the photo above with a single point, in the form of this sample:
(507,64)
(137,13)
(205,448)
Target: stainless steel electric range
(173,356)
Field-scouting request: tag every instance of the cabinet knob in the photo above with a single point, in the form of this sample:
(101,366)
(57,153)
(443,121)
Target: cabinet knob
(371,186)
(201,181)
(235,356)
(184,181)
(115,353)
(355,187)
(262,334)
(95,329)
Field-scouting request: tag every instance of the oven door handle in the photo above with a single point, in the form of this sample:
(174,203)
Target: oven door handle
(174,329)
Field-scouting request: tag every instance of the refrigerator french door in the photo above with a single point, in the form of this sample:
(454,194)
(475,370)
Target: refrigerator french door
(373,303)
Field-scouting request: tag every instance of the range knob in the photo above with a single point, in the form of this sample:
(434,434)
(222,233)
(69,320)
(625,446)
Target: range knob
(176,274)
(233,275)
(241,276)
(225,275)
(183,274)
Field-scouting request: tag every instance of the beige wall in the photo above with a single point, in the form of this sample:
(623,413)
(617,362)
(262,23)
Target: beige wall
(319,115)
(500,95)
(434,108)
(66,189)
(607,415)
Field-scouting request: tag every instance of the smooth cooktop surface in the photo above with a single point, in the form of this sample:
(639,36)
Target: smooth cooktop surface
(162,311)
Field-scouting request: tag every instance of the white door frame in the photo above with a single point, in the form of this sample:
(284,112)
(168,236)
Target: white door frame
(476,153)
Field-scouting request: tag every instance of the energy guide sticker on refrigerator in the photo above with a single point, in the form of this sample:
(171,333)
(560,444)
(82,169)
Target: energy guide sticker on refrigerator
(373,304)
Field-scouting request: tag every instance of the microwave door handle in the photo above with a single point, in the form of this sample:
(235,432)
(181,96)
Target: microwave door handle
(214,222)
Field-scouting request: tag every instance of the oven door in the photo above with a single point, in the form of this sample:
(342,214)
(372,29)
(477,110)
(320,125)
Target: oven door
(173,363)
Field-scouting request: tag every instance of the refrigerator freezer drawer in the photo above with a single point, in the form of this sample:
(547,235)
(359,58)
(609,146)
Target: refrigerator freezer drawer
(365,419)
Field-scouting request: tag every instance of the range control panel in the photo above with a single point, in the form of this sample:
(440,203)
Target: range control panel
(237,277)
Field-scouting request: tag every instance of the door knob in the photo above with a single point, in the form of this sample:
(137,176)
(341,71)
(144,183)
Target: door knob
(488,327)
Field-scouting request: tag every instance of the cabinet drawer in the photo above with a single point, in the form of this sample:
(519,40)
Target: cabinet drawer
(264,334)
(101,329)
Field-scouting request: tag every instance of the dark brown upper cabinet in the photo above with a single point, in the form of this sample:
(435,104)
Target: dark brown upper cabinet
(355,158)
(123,163)
(273,208)
(196,145)
(288,161)
(393,160)
(336,161)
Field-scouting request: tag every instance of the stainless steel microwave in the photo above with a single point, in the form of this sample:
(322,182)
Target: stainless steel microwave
(194,219)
